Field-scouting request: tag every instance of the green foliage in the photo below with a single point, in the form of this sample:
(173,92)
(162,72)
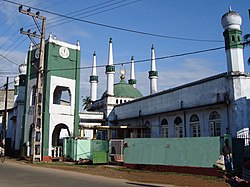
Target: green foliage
(247,43)
(86,102)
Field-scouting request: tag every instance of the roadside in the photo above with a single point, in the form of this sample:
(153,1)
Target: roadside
(120,172)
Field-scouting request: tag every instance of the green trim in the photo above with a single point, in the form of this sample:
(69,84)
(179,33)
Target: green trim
(110,68)
(77,93)
(93,78)
(233,39)
(25,129)
(22,80)
(153,73)
(16,88)
(46,91)
(132,81)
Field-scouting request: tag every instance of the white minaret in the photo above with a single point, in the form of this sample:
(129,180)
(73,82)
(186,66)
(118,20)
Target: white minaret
(110,71)
(16,87)
(231,22)
(93,79)
(153,74)
(132,80)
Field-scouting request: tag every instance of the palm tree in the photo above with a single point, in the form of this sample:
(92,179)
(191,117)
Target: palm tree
(247,43)
(86,102)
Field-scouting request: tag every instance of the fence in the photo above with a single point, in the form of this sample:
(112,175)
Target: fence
(116,151)
(56,151)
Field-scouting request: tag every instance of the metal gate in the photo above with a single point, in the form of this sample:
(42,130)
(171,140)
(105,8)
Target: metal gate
(116,153)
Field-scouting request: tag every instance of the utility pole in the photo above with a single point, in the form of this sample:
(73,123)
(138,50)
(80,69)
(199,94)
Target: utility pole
(4,124)
(38,113)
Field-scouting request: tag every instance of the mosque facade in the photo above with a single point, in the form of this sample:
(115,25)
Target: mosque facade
(212,106)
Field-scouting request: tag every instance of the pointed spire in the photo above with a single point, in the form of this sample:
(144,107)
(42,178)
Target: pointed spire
(93,79)
(132,71)
(110,71)
(110,57)
(153,65)
(132,80)
(94,64)
(153,74)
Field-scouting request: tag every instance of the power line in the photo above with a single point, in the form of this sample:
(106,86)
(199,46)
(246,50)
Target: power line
(14,34)
(115,27)
(145,60)
(95,12)
(8,84)
(9,60)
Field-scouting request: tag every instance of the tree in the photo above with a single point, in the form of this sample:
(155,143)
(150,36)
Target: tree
(86,102)
(247,43)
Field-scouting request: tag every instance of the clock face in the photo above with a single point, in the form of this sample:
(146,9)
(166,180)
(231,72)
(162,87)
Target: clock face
(37,53)
(64,52)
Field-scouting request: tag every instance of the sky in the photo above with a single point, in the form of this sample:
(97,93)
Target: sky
(187,26)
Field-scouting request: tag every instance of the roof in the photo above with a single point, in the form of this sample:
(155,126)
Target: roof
(10,103)
(125,90)
(211,78)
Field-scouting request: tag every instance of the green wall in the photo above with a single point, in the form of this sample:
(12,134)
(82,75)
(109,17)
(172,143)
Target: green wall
(195,152)
(94,150)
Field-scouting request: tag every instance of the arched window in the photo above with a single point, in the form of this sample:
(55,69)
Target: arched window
(62,96)
(164,128)
(233,38)
(147,131)
(215,124)
(178,127)
(195,125)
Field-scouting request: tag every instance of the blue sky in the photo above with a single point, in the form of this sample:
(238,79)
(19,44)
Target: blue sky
(178,18)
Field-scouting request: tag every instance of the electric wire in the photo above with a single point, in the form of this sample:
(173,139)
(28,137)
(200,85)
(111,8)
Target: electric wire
(15,33)
(96,5)
(90,7)
(145,60)
(115,27)
(92,13)
(9,60)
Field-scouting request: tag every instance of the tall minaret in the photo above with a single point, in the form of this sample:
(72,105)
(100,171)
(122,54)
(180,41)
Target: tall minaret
(93,79)
(153,74)
(110,71)
(132,80)
(16,87)
(231,22)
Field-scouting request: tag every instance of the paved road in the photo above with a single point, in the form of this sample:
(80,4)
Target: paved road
(22,175)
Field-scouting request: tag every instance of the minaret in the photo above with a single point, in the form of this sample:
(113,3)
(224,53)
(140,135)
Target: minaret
(16,87)
(231,22)
(110,71)
(132,80)
(93,79)
(153,74)
(20,82)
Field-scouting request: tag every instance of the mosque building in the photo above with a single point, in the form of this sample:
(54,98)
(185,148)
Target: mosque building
(212,106)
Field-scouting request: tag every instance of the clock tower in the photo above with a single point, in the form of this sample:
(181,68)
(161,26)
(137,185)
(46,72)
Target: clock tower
(61,96)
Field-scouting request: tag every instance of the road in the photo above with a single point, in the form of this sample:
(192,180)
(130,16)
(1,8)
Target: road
(14,174)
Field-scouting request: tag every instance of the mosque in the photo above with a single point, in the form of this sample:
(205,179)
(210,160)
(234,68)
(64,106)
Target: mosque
(211,106)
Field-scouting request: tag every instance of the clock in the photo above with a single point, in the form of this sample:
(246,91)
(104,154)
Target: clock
(64,52)
(37,53)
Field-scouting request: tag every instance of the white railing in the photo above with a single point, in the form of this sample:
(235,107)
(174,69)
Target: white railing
(56,151)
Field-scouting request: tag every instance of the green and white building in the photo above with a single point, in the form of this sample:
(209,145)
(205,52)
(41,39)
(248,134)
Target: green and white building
(61,97)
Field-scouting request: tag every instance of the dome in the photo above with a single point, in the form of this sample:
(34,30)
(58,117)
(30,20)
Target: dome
(22,69)
(16,80)
(123,89)
(231,20)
